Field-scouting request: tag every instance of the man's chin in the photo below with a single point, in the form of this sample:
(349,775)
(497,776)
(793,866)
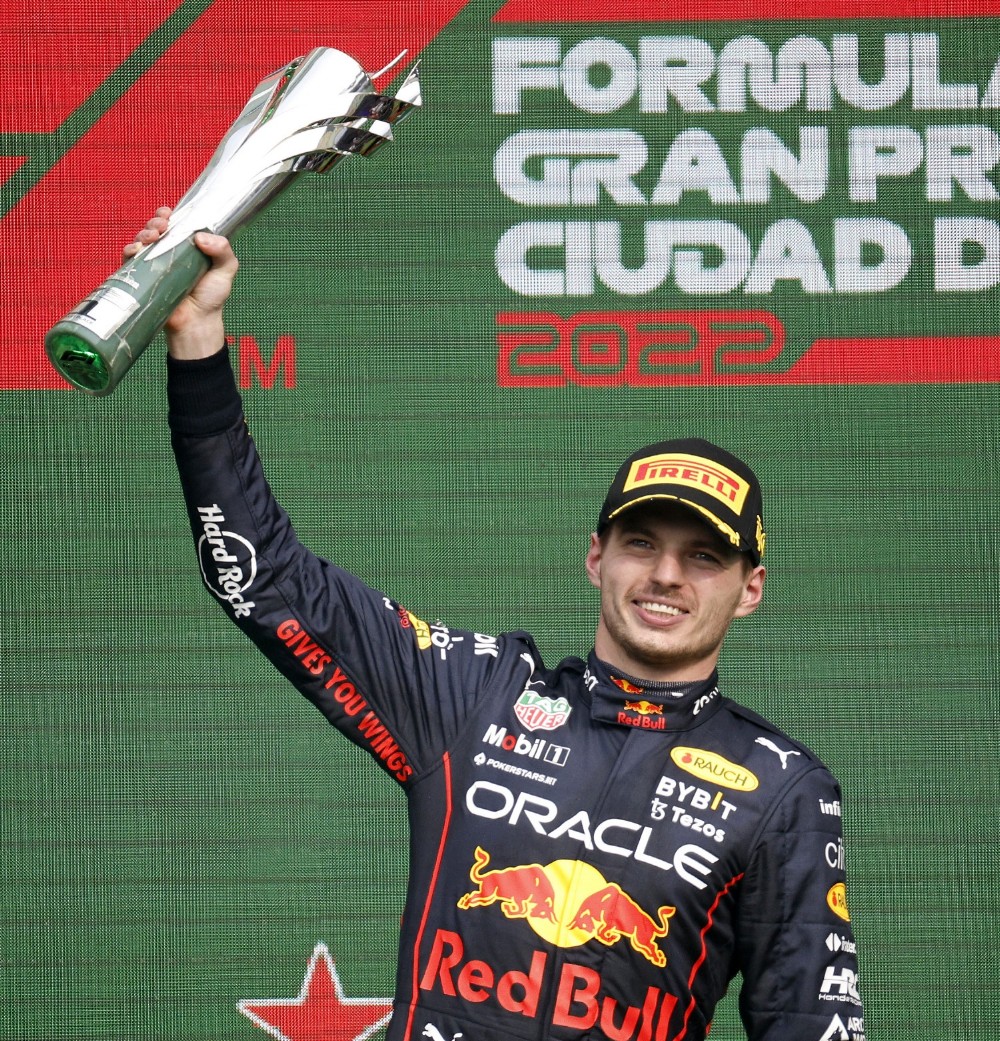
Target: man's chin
(655,660)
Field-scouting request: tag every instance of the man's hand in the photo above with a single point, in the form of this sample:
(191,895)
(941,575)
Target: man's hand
(195,329)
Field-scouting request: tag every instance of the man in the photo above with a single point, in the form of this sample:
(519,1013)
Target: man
(596,849)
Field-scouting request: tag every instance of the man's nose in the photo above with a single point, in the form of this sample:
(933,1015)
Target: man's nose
(668,568)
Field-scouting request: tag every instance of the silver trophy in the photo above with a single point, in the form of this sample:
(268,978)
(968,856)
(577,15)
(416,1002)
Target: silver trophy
(309,115)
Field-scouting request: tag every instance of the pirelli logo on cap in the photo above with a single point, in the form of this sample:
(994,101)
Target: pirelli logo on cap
(704,475)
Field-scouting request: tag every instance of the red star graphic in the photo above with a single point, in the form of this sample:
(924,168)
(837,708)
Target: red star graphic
(320,1012)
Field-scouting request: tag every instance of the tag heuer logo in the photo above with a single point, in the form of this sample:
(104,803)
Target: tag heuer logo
(541,713)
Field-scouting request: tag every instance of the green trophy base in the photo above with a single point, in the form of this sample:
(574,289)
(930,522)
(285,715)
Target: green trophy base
(79,362)
(99,340)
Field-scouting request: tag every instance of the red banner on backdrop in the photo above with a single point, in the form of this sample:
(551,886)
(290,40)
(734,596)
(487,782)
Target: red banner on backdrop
(103,144)
(64,236)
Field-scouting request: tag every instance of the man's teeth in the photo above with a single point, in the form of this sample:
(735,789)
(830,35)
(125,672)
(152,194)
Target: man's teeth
(648,605)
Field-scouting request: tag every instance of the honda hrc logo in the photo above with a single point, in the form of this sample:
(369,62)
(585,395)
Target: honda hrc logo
(840,985)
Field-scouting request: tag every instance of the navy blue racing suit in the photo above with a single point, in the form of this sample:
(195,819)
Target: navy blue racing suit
(591,855)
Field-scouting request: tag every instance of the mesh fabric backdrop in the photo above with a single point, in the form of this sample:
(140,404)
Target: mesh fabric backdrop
(179,829)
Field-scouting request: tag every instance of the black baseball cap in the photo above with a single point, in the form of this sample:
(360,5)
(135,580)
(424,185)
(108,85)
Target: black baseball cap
(697,474)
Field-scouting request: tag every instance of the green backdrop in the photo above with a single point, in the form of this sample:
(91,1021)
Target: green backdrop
(179,830)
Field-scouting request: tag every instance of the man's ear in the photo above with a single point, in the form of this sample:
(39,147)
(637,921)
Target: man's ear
(753,592)
(594,561)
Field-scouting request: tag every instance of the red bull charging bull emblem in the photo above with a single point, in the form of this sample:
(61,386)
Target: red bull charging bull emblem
(644,708)
(627,685)
(568,903)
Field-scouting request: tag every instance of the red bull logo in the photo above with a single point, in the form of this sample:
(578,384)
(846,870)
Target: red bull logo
(568,903)
(523,892)
(647,715)
(580,1003)
(612,915)
(626,685)
(644,708)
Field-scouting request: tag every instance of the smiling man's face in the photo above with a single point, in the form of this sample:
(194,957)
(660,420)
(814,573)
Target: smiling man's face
(670,587)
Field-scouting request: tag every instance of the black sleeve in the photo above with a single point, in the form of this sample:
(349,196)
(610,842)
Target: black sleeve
(795,946)
(395,685)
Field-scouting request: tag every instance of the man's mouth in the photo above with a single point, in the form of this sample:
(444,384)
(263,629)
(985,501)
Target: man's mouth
(667,610)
